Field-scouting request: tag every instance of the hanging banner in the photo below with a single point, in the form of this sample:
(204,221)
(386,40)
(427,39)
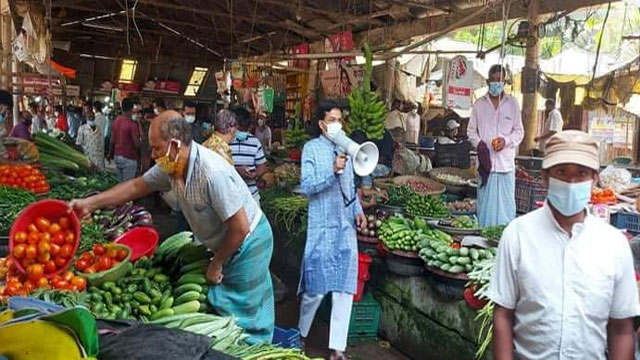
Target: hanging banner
(166,87)
(457,83)
(129,87)
(342,42)
(338,82)
(266,96)
(299,49)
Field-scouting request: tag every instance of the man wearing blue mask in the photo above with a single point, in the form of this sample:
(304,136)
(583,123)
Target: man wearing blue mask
(564,284)
(246,150)
(495,129)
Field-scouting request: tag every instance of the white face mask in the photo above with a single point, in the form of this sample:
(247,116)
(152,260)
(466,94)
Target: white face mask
(190,119)
(156,111)
(260,122)
(136,117)
(334,128)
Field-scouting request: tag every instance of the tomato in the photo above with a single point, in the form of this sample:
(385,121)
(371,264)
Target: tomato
(61,284)
(43,282)
(82,264)
(50,267)
(45,236)
(32,228)
(69,237)
(43,258)
(55,249)
(87,256)
(54,228)
(42,224)
(112,252)
(60,261)
(90,270)
(66,251)
(20,237)
(98,250)
(33,237)
(59,238)
(64,223)
(11,290)
(29,285)
(67,276)
(10,263)
(31,251)
(19,251)
(105,263)
(26,262)
(122,254)
(35,272)
(80,282)
(43,247)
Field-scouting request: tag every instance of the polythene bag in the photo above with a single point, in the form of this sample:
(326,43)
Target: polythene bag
(37,339)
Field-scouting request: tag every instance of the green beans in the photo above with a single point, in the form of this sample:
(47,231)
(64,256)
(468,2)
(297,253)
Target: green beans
(13,201)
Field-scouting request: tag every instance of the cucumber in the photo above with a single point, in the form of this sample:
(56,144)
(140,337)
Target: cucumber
(464,251)
(203,307)
(474,254)
(462,260)
(167,303)
(443,257)
(188,296)
(187,308)
(453,260)
(187,287)
(144,310)
(162,313)
(456,269)
(141,297)
(200,264)
(192,278)
(451,251)
(445,267)
(160,278)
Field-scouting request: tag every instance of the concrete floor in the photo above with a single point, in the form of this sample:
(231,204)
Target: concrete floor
(287,310)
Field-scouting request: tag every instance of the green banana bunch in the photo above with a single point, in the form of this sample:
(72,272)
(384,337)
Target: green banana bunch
(368,112)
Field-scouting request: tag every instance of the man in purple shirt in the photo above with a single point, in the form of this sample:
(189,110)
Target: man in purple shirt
(125,142)
(22,129)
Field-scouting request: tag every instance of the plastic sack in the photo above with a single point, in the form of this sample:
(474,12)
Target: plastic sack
(134,341)
(408,162)
(616,178)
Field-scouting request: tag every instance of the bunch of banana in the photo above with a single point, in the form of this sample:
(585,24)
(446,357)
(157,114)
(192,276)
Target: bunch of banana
(368,112)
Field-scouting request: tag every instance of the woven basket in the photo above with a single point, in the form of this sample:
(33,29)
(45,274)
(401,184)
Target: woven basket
(465,174)
(436,187)
(383,183)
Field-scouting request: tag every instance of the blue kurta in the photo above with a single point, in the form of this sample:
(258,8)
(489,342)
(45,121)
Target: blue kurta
(331,253)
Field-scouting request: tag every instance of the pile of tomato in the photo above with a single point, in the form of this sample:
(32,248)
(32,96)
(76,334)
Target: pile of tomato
(44,247)
(100,258)
(19,284)
(23,176)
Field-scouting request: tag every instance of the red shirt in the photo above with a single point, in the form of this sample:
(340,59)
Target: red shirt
(125,136)
(61,123)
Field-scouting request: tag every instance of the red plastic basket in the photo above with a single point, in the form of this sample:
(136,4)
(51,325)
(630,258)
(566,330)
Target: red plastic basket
(142,241)
(49,209)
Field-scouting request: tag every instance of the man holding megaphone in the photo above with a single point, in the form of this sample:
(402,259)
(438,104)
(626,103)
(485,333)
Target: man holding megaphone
(330,263)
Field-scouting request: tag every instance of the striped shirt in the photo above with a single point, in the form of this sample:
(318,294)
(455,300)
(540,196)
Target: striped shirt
(248,153)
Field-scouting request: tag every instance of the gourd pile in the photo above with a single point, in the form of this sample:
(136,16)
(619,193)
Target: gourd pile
(454,260)
(400,233)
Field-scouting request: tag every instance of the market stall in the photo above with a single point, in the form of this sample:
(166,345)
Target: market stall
(109,266)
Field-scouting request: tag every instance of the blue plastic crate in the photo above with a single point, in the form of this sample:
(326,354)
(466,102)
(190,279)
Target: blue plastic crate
(628,221)
(286,338)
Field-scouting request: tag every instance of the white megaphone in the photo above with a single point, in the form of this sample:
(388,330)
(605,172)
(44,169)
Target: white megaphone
(365,156)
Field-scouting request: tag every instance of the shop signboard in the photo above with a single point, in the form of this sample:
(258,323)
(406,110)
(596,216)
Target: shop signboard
(166,87)
(457,83)
(129,87)
(338,43)
(39,81)
(299,49)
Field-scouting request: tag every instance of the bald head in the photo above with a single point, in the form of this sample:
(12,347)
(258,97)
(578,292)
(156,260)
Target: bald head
(167,126)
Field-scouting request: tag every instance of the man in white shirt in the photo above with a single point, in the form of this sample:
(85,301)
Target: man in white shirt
(412,122)
(496,121)
(450,133)
(563,283)
(395,118)
(552,125)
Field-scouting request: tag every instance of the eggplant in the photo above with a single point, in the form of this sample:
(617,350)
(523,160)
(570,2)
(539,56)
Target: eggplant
(123,210)
(144,222)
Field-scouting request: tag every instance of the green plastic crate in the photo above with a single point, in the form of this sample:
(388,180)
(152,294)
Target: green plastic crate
(365,317)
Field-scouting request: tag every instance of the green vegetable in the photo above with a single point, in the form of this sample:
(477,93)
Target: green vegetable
(187,287)
(192,278)
(13,201)
(187,296)
(188,307)
(427,205)
(161,313)
(399,196)
(167,303)
(144,310)
(141,297)
(55,148)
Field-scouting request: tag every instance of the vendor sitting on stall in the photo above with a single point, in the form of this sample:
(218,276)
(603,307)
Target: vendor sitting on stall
(222,214)
(224,132)
(450,133)
(22,129)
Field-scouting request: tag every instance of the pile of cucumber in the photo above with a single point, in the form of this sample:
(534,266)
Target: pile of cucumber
(427,205)
(400,233)
(454,260)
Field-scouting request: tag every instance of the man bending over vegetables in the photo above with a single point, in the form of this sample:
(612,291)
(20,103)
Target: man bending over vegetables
(222,214)
(564,285)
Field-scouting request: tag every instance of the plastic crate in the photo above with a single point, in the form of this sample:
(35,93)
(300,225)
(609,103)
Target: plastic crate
(628,221)
(528,193)
(453,155)
(286,338)
(365,317)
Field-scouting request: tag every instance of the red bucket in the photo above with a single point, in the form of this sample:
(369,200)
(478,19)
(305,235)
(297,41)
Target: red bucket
(52,210)
(364,261)
(141,240)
